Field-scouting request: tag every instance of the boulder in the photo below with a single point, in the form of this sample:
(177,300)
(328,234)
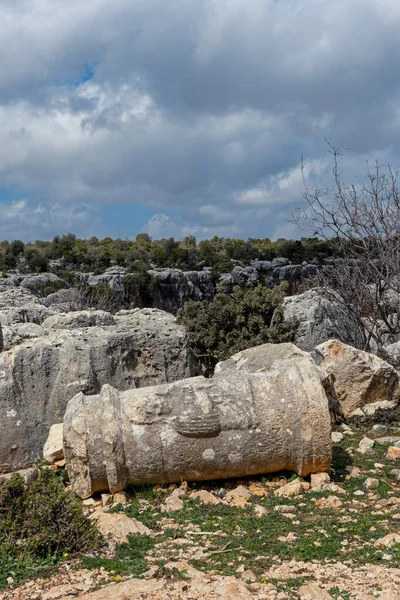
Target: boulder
(360,378)
(320,319)
(199,429)
(40,376)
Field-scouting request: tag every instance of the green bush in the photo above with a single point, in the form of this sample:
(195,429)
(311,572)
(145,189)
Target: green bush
(39,524)
(234,322)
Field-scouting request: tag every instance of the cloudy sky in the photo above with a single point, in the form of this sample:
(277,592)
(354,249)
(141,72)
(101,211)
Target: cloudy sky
(187,117)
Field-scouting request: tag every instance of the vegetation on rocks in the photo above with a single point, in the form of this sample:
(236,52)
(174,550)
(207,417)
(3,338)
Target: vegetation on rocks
(40,525)
(97,255)
(234,322)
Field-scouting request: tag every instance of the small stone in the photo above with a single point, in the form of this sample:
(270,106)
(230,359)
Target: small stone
(285,508)
(396,473)
(238,497)
(333,487)
(359,493)
(106,499)
(388,541)
(379,465)
(312,591)
(118,526)
(353,471)
(89,502)
(371,484)
(331,502)
(379,428)
(318,481)
(205,497)
(121,498)
(173,502)
(365,446)
(336,437)
(260,511)
(397,444)
(393,453)
(292,489)
(257,490)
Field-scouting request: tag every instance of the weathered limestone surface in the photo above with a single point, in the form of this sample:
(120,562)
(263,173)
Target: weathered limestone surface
(78,320)
(360,378)
(199,429)
(19,333)
(40,376)
(321,319)
(266,357)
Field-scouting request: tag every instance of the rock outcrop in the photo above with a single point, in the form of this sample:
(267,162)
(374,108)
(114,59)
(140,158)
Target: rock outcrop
(320,319)
(39,377)
(174,287)
(199,429)
(360,379)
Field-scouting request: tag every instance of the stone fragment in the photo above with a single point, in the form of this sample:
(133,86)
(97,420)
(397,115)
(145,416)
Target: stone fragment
(118,526)
(312,591)
(318,481)
(260,511)
(393,453)
(371,484)
(205,497)
(121,498)
(53,448)
(331,502)
(285,508)
(360,378)
(365,446)
(173,502)
(353,471)
(388,541)
(293,488)
(238,497)
(337,437)
(379,428)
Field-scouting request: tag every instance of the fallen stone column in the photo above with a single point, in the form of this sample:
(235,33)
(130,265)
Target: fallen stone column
(199,429)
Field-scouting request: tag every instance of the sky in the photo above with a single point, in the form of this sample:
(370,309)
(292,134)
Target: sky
(188,117)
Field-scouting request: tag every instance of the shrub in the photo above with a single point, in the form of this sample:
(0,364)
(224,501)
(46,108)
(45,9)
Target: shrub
(234,322)
(38,525)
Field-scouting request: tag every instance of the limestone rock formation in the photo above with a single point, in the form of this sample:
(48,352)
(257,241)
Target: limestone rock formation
(199,429)
(78,320)
(18,333)
(175,287)
(320,319)
(40,376)
(360,378)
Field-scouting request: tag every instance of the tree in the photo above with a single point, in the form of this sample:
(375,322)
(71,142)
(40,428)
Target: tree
(362,223)
(234,322)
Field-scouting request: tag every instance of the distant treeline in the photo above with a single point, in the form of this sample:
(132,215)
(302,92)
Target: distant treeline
(72,253)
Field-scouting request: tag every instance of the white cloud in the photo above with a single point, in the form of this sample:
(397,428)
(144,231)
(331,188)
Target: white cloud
(201,109)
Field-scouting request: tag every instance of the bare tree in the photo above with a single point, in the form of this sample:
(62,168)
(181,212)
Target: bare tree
(363,223)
